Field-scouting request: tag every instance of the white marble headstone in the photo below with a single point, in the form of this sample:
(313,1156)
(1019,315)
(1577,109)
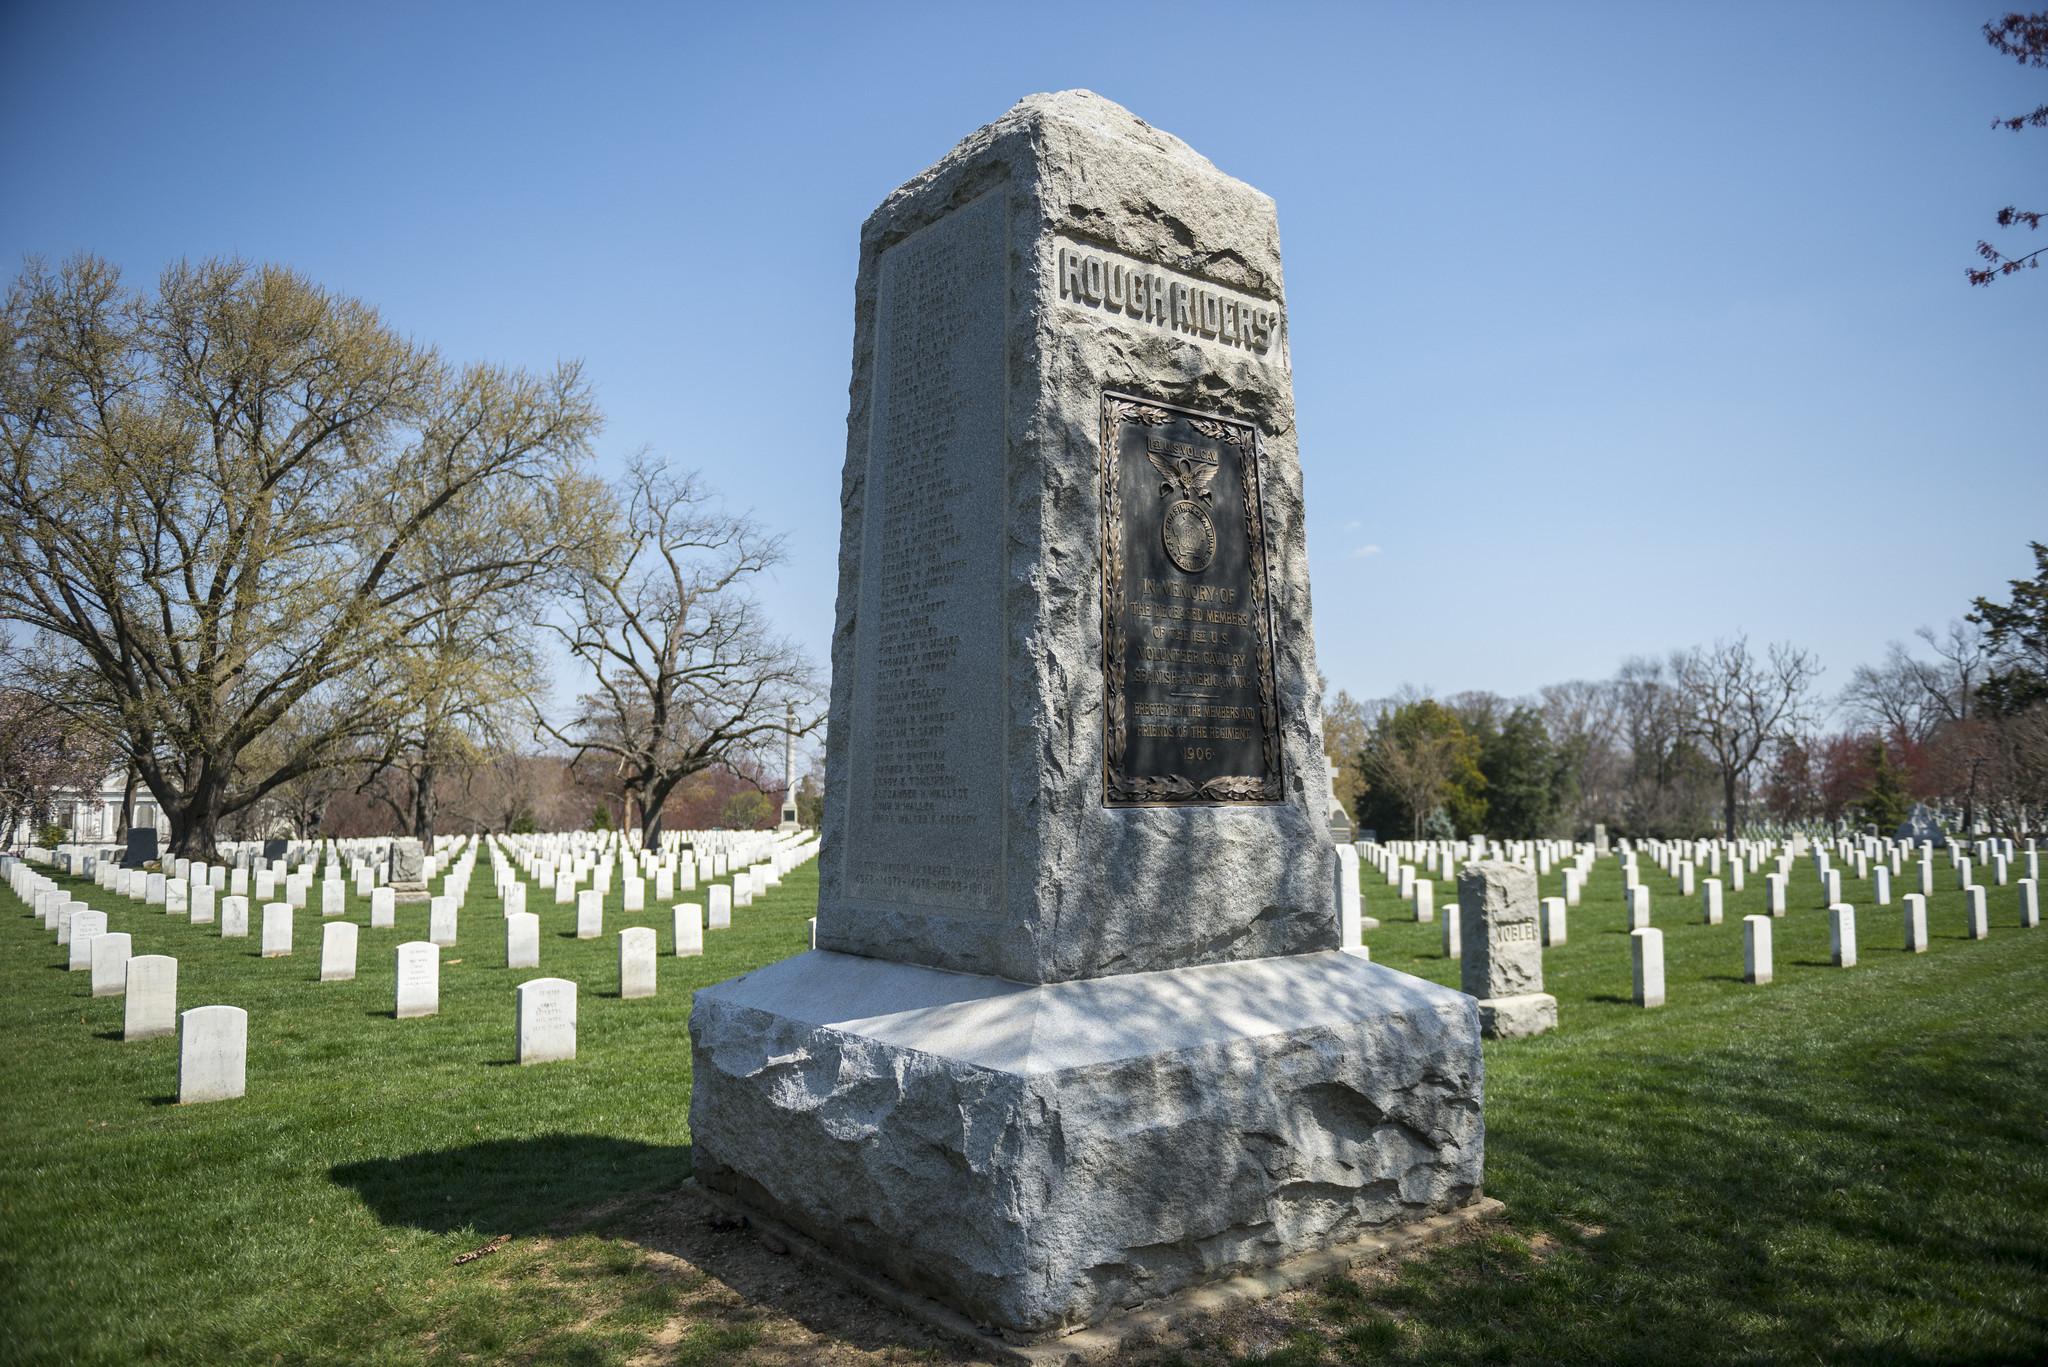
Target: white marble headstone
(85,927)
(1842,934)
(522,940)
(110,951)
(636,962)
(689,918)
(589,914)
(441,921)
(720,917)
(213,1053)
(152,991)
(546,1026)
(1756,949)
(338,951)
(383,909)
(418,989)
(277,930)
(234,918)
(1646,965)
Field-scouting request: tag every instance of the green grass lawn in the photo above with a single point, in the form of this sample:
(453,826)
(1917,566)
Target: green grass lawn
(1848,1165)
(315,1220)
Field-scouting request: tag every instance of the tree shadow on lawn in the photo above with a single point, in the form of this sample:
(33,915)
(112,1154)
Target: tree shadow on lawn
(511,1186)
(1701,1217)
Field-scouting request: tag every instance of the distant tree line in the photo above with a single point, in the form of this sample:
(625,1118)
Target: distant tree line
(1722,737)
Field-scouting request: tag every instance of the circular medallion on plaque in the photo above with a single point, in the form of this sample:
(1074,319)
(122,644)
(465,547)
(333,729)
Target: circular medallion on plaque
(1190,536)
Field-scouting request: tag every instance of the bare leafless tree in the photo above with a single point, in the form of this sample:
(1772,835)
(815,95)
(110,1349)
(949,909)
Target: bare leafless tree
(1583,717)
(1903,696)
(1965,660)
(688,671)
(1733,704)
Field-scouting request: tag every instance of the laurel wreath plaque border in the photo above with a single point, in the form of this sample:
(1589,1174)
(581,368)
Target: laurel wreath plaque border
(1120,788)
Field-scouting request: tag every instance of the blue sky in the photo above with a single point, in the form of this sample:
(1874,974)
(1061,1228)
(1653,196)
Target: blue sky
(1615,328)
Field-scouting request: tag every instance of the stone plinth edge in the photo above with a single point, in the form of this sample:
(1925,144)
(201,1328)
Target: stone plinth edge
(1108,1335)
(1518,1017)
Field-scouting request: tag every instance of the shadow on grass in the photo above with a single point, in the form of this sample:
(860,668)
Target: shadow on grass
(511,1186)
(1882,1213)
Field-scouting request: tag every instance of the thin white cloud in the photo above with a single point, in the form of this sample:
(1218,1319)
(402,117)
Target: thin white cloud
(1362,552)
(1353,526)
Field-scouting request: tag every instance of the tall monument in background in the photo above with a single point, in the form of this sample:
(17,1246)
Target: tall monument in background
(790,820)
(1079,1032)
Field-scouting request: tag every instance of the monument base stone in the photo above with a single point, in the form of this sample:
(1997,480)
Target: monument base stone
(1040,1157)
(1517,1017)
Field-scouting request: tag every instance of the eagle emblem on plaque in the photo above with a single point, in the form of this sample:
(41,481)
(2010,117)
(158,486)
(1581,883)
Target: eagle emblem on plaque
(1187,529)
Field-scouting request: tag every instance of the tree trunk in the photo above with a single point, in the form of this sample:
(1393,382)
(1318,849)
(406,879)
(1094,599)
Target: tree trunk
(424,808)
(128,802)
(195,822)
(650,805)
(1728,778)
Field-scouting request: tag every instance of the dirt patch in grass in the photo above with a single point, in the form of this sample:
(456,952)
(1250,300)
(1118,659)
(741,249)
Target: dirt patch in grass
(746,1301)
(749,1302)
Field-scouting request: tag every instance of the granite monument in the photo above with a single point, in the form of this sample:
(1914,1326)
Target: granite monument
(1077,1034)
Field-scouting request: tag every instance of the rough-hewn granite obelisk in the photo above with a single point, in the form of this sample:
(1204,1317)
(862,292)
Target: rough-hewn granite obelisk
(1076,1034)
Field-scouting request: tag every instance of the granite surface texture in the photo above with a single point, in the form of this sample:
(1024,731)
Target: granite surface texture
(975,413)
(1502,942)
(1039,1156)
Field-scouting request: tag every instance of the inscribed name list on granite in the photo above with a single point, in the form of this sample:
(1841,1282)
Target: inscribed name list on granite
(1189,712)
(926,814)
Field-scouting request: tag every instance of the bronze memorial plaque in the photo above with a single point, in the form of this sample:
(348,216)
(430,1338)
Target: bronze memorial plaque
(1187,642)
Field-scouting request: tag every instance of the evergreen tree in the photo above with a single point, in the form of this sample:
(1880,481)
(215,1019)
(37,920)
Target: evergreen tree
(1523,777)
(1886,802)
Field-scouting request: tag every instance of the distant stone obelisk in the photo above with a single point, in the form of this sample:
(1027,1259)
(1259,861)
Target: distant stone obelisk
(789,818)
(1078,1033)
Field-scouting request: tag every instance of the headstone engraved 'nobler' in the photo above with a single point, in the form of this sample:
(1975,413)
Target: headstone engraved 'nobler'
(1075,759)
(1502,943)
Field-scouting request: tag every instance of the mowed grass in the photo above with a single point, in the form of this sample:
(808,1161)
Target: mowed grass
(1848,1165)
(317,1218)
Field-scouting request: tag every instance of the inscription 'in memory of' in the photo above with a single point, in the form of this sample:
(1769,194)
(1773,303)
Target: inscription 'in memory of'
(924,816)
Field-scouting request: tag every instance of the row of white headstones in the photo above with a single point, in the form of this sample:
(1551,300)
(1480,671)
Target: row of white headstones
(1872,859)
(213,1040)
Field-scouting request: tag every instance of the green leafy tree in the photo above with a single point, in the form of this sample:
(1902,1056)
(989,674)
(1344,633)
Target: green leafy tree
(1419,757)
(1345,727)
(601,819)
(747,811)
